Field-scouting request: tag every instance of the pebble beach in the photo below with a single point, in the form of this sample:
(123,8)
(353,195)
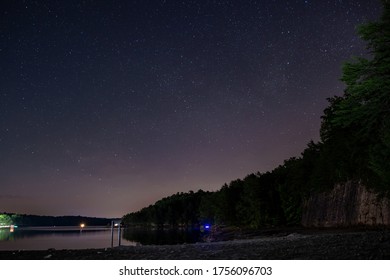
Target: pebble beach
(300,245)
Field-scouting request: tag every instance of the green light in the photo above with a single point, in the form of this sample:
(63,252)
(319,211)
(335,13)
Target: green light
(5,220)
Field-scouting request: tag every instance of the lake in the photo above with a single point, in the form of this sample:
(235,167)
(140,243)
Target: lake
(42,238)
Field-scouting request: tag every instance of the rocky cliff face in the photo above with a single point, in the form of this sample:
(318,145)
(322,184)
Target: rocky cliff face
(346,204)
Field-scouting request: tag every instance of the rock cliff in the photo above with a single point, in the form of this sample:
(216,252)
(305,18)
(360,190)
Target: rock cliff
(347,204)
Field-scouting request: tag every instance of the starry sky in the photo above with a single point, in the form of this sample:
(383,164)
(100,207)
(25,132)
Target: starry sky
(108,106)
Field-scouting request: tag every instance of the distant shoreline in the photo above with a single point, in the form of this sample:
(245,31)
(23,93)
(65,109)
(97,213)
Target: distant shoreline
(65,228)
(373,244)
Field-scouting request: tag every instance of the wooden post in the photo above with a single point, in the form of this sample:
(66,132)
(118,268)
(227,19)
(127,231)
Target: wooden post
(112,234)
(119,234)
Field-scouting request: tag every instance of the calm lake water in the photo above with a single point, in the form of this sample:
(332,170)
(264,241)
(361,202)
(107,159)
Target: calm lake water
(42,238)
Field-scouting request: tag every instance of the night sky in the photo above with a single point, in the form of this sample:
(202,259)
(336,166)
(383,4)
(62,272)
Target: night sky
(108,106)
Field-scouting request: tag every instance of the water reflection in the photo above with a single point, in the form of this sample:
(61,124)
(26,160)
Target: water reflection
(58,238)
(5,234)
(162,236)
(82,238)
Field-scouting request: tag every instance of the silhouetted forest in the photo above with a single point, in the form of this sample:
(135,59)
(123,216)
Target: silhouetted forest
(49,221)
(354,145)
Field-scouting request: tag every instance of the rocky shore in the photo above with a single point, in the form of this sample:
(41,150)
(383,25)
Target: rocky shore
(301,245)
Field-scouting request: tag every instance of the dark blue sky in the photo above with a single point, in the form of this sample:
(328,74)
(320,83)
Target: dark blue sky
(107,106)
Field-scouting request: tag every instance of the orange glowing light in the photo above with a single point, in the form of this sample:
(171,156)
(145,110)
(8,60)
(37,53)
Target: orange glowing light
(82,225)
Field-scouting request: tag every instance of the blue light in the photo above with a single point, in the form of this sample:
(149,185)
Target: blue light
(207,226)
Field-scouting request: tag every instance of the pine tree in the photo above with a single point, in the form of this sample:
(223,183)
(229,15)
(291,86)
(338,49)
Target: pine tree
(357,125)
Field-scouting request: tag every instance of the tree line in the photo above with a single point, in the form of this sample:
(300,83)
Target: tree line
(354,145)
(23,220)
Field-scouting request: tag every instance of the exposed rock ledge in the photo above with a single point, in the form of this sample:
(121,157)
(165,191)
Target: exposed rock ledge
(347,204)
